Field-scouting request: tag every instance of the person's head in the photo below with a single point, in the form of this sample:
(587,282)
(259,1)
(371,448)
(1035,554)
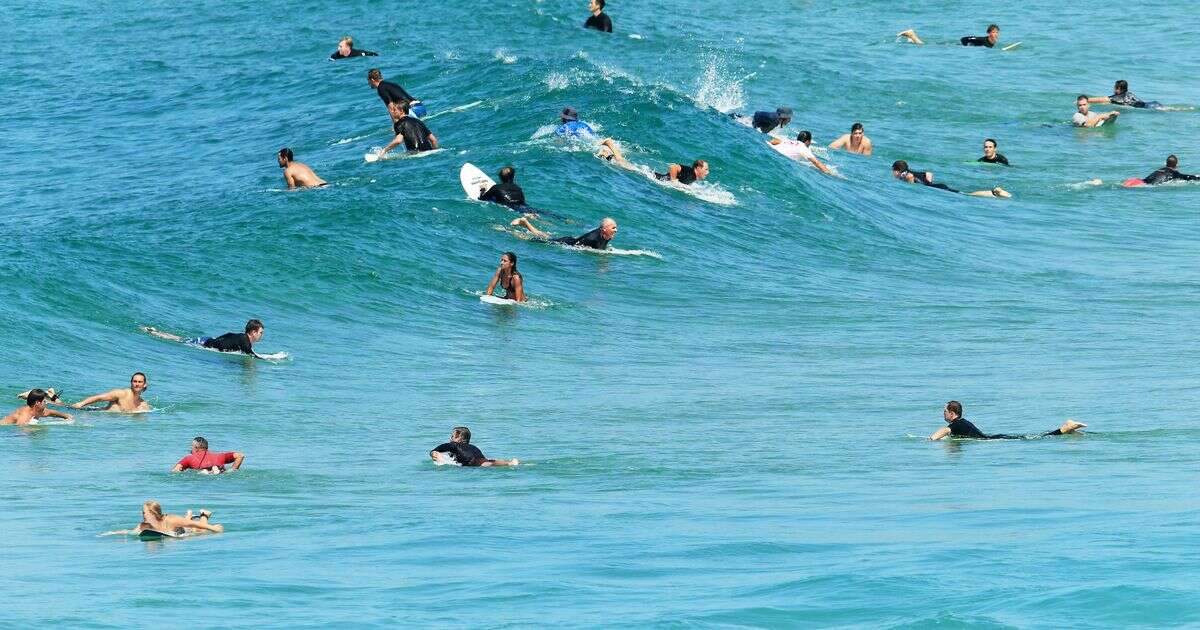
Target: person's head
(199,444)
(374,76)
(953,411)
(138,382)
(152,512)
(596,6)
(856,132)
(507,174)
(785,115)
(394,110)
(989,148)
(608,228)
(899,168)
(993,34)
(805,137)
(461,434)
(345,45)
(569,115)
(1172,161)
(401,108)
(700,167)
(36,398)
(285,157)
(254,330)
(1081,103)
(1121,87)
(508,261)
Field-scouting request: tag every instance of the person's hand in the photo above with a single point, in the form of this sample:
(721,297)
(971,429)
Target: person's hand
(77,406)
(515,462)
(188,515)
(69,418)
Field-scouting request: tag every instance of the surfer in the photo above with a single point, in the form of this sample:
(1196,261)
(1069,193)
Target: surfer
(506,193)
(599,19)
(800,149)
(1122,96)
(900,171)
(410,131)
(571,126)
(611,151)
(769,121)
(207,462)
(508,278)
(35,407)
(346,49)
(993,36)
(1084,118)
(297,174)
(686,175)
(961,427)
(155,520)
(127,399)
(1168,173)
(391,92)
(229,342)
(855,142)
(464,454)
(989,154)
(595,239)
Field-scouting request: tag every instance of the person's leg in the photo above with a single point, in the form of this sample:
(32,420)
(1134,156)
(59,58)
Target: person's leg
(910,35)
(525,223)
(154,332)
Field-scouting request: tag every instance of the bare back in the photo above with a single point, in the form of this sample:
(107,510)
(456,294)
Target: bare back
(299,175)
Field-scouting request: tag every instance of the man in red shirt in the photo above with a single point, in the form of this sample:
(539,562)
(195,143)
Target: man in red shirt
(206,462)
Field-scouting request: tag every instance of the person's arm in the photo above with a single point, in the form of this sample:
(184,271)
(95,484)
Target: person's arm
(614,149)
(821,167)
(840,142)
(940,433)
(291,180)
(673,172)
(492,285)
(433,140)
(110,396)
(868,148)
(208,527)
(59,414)
(1100,99)
(237,459)
(178,468)
(397,141)
(1113,114)
(910,35)
(518,288)
(500,462)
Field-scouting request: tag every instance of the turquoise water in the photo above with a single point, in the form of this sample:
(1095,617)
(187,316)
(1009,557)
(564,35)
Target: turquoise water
(727,432)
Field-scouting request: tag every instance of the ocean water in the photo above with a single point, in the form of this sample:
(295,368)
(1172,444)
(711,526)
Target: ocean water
(723,429)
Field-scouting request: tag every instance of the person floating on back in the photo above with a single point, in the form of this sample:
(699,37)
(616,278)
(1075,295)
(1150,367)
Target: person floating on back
(460,451)
(207,462)
(686,175)
(508,278)
(507,192)
(901,172)
(1085,118)
(571,126)
(800,149)
(599,19)
(989,154)
(392,93)
(990,40)
(297,174)
(410,131)
(35,407)
(595,239)
(346,50)
(855,142)
(1168,173)
(242,342)
(959,426)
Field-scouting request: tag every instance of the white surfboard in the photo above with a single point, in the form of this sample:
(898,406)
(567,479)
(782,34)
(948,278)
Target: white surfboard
(499,301)
(1011,46)
(474,181)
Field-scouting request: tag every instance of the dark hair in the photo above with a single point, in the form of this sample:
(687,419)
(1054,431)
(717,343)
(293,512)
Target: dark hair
(374,75)
(462,433)
(1172,161)
(699,163)
(403,105)
(286,153)
(507,174)
(804,136)
(601,3)
(512,258)
(954,407)
(34,397)
(1081,96)
(856,127)
(992,27)
(900,165)
(141,374)
(253,325)
(1122,86)
(987,140)
(201,441)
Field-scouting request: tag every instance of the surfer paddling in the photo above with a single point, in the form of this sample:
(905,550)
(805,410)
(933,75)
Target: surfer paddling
(1168,173)
(800,150)
(686,175)
(154,520)
(242,342)
(460,451)
(1122,96)
(595,239)
(901,172)
(989,41)
(346,49)
(35,407)
(958,426)
(507,192)
(297,174)
(207,462)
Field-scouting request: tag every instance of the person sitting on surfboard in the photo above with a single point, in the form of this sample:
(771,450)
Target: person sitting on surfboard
(1084,118)
(155,521)
(961,427)
(346,49)
(410,131)
(855,142)
(35,407)
(508,278)
(1168,173)
(297,174)
(686,175)
(571,126)
(800,149)
(463,453)
(1122,96)
(229,342)
(392,93)
(901,172)
(506,193)
(993,36)
(207,462)
(595,239)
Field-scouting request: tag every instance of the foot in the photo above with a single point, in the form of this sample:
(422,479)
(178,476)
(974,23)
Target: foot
(1071,426)
(1000,192)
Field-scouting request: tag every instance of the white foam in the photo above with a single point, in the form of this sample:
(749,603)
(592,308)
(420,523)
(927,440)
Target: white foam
(502,56)
(717,89)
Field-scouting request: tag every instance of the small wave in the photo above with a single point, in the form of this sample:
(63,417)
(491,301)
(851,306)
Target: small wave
(502,56)
(635,36)
(1091,183)
(717,89)
(557,81)
(708,191)
(349,140)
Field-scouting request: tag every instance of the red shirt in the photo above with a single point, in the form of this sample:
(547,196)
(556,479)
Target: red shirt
(206,459)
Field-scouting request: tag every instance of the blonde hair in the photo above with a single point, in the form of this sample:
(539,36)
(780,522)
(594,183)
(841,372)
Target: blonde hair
(347,40)
(155,509)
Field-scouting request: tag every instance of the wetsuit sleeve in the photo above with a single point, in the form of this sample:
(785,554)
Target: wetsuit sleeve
(445,448)
(336,55)
(367,53)
(245,346)
(1190,178)
(490,195)
(606,24)
(1003,160)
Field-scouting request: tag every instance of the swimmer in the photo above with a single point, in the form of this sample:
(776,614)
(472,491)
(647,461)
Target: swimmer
(35,407)
(459,447)
(900,171)
(611,151)
(1122,96)
(855,142)
(989,154)
(229,342)
(571,125)
(1169,173)
(993,36)
(346,49)
(800,149)
(392,93)
(297,174)
(153,519)
(961,427)
(1084,118)
(595,239)
(410,131)
(599,19)
(506,193)
(769,121)
(686,175)
(508,278)
(206,462)
(127,399)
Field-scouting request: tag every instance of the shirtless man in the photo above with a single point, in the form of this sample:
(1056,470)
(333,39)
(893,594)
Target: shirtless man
(1085,118)
(297,174)
(855,142)
(121,399)
(35,407)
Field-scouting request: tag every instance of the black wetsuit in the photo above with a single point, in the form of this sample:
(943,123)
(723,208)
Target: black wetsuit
(1167,174)
(230,342)
(976,41)
(923,178)
(505,194)
(599,22)
(592,239)
(392,93)
(415,133)
(963,428)
(999,159)
(464,454)
(766,121)
(687,175)
(1128,99)
(354,52)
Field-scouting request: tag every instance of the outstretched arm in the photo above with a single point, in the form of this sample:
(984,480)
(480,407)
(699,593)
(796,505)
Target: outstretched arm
(940,433)
(1099,99)
(840,142)
(59,414)
(109,396)
(820,166)
(397,141)
(673,172)
(501,462)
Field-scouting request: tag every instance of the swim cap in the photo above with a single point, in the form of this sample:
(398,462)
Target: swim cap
(569,114)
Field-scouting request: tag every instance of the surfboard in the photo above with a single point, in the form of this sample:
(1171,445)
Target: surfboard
(1011,46)
(474,181)
(154,534)
(1133,182)
(44,422)
(373,156)
(499,301)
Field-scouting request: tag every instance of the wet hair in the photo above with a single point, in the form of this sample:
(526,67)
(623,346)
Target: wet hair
(1172,161)
(155,509)
(992,27)
(34,397)
(347,40)
(253,325)
(201,441)
(699,163)
(804,136)
(994,143)
(856,127)
(461,433)
(900,165)
(507,174)
(954,407)
(286,153)
(403,105)
(1081,97)
(600,3)
(374,75)
(512,258)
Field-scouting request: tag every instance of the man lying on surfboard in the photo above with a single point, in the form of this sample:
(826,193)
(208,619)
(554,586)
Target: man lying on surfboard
(959,426)
(506,193)
(993,36)
(1122,96)
(595,239)
(901,172)
(35,407)
(208,462)
(242,342)
(460,450)
(1168,173)
(155,521)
